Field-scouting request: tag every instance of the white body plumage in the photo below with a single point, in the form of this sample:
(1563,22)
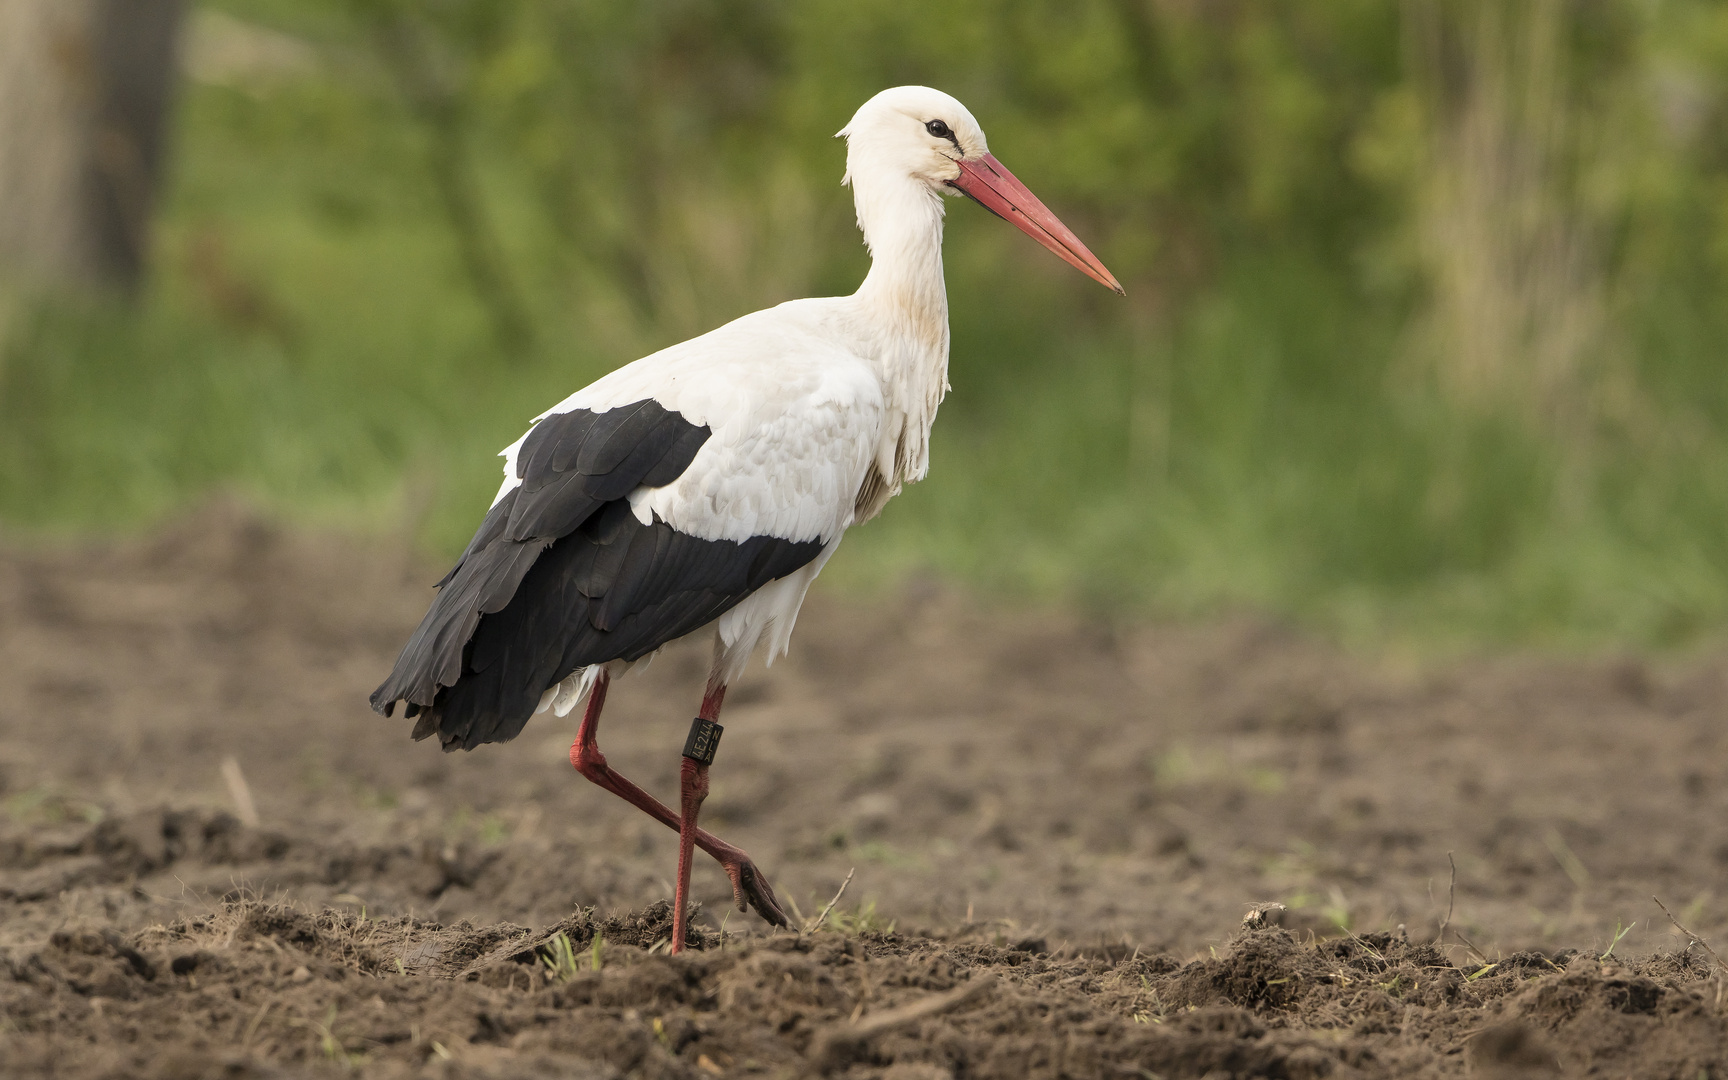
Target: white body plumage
(821,408)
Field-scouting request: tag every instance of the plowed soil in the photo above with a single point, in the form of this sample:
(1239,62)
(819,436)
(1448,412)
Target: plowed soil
(1069,841)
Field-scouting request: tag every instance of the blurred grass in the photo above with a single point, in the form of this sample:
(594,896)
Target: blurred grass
(1262,426)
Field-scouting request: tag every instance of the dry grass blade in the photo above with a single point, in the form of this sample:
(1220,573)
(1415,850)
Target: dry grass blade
(1471,945)
(1700,942)
(1451,898)
(257,1019)
(836,1045)
(240,791)
(823,917)
(1446,924)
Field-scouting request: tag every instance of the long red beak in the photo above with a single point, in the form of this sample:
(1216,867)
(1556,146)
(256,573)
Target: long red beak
(990,183)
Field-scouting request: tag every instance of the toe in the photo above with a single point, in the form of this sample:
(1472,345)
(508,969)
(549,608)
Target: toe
(762,898)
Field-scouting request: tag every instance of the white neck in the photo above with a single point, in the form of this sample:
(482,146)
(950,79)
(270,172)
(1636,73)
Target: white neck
(905,305)
(902,225)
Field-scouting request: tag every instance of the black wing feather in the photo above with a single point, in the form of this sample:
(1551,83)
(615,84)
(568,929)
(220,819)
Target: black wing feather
(621,598)
(677,458)
(609,444)
(561,574)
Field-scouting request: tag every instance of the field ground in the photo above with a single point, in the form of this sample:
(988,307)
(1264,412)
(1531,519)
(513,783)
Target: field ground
(1057,827)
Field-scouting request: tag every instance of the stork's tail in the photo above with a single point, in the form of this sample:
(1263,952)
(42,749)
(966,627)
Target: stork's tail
(433,660)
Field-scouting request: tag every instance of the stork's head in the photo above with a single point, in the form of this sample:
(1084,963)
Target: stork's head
(923,135)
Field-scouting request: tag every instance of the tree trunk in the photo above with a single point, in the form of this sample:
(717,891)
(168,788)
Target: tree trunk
(85,88)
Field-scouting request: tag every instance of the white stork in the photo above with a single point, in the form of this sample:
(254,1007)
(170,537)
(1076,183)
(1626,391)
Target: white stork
(705,486)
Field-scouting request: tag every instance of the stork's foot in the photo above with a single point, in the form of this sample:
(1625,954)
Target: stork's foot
(750,889)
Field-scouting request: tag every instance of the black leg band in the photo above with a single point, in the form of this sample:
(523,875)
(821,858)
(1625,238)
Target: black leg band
(703,741)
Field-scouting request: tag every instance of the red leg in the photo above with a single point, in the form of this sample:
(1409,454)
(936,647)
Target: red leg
(749,887)
(692,789)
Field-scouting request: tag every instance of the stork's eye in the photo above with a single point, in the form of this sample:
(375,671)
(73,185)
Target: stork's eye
(939,129)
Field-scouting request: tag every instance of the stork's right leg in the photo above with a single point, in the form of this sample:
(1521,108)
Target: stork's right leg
(749,887)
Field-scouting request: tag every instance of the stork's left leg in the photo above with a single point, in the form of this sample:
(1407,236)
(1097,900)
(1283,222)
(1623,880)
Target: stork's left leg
(748,884)
(692,789)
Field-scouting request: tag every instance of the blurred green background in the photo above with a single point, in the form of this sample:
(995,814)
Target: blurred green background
(1423,343)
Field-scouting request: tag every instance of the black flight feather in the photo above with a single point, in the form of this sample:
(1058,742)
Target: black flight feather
(561,574)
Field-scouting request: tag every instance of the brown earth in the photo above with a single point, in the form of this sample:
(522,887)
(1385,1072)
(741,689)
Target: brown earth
(1057,826)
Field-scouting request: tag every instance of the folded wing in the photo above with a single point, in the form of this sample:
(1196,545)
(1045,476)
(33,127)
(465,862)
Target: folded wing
(563,574)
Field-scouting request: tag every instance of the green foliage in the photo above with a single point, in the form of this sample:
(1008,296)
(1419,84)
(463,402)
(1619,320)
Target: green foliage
(864,920)
(558,957)
(1426,300)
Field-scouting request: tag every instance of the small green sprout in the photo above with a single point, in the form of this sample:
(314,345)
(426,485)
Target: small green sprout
(1618,934)
(559,958)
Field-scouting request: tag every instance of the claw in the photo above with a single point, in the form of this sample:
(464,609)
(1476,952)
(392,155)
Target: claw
(751,890)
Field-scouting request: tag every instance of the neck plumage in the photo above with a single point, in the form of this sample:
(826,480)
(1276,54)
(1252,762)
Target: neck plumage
(905,304)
